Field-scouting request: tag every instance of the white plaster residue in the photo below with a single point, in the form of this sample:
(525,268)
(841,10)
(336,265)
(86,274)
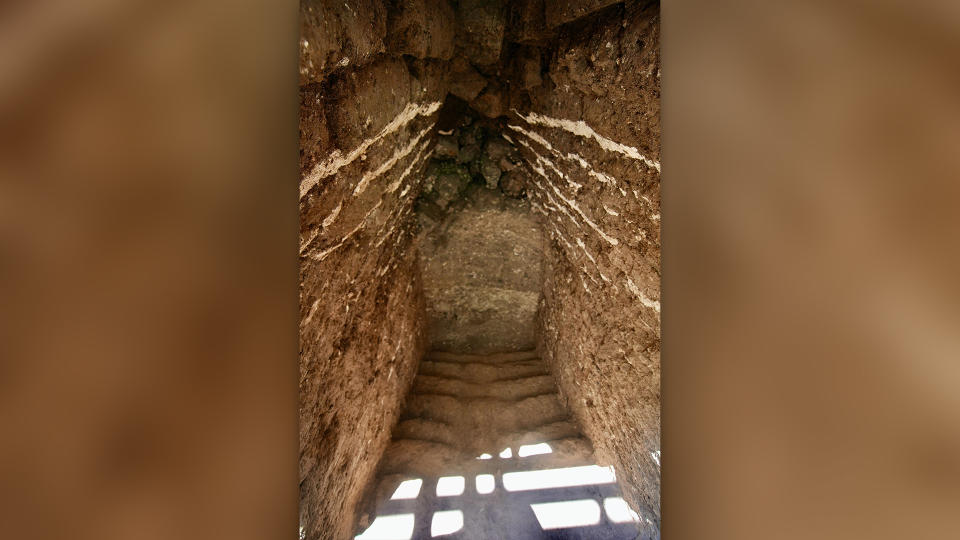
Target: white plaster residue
(572,157)
(609,211)
(387,165)
(653,304)
(578,160)
(333,215)
(576,186)
(557,206)
(337,160)
(655,217)
(560,235)
(305,243)
(536,137)
(584,248)
(323,254)
(573,205)
(313,309)
(416,159)
(581,129)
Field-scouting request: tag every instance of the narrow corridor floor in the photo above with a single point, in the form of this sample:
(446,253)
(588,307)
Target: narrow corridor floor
(485,450)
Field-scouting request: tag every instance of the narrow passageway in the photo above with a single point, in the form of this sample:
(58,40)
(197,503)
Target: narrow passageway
(484,448)
(479,269)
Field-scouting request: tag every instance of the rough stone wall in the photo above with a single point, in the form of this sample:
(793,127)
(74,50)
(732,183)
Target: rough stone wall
(366,125)
(590,137)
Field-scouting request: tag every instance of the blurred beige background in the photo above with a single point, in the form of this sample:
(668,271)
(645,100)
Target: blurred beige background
(148,231)
(811,312)
(811,319)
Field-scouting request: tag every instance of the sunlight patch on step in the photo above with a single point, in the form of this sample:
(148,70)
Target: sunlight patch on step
(408,489)
(618,511)
(534,450)
(558,515)
(556,478)
(446,522)
(507,453)
(394,527)
(485,483)
(450,486)
(484,456)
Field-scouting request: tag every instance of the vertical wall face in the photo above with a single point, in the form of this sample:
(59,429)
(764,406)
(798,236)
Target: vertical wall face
(596,182)
(366,126)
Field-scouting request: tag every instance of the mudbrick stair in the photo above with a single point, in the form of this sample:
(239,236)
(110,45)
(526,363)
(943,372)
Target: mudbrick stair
(485,450)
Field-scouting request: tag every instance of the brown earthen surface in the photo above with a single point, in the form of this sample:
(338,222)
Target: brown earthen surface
(576,96)
(591,140)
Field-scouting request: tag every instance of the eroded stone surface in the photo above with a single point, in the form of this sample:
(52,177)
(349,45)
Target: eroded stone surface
(482,267)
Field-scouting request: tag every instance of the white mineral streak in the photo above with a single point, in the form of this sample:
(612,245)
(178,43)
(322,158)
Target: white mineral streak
(653,304)
(581,129)
(337,160)
(587,253)
(399,154)
(394,220)
(572,157)
(323,254)
(609,211)
(613,241)
(305,243)
(313,310)
(333,215)
(539,169)
(557,206)
(416,159)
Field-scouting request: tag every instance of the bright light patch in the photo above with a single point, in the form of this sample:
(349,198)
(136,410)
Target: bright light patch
(558,515)
(408,489)
(395,527)
(446,522)
(619,511)
(485,483)
(485,456)
(507,453)
(534,449)
(656,457)
(450,486)
(555,478)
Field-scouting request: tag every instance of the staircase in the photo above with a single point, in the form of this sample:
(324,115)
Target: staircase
(485,450)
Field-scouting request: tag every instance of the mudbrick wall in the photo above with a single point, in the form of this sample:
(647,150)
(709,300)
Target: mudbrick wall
(574,86)
(590,137)
(366,122)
